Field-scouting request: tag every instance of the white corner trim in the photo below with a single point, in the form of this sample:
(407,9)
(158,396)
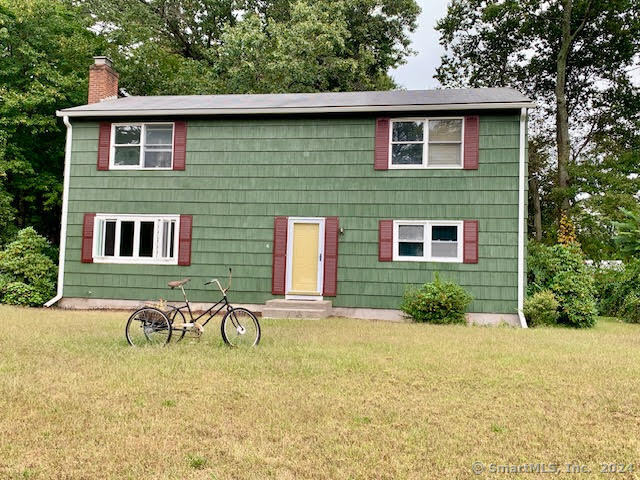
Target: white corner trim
(65,210)
(521,218)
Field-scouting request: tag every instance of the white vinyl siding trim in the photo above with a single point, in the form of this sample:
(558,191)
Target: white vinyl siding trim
(142,145)
(425,144)
(161,245)
(427,241)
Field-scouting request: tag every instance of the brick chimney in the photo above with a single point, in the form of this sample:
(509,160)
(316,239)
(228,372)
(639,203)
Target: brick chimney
(103,80)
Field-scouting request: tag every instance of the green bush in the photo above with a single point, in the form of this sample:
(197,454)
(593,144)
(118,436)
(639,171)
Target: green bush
(541,309)
(561,269)
(436,302)
(630,310)
(27,269)
(18,293)
(616,286)
(606,283)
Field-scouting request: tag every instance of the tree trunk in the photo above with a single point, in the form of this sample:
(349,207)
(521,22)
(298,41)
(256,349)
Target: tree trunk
(534,191)
(562,114)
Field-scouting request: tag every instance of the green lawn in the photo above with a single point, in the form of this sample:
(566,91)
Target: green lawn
(335,398)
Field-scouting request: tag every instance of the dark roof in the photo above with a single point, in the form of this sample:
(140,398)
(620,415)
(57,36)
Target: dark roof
(397,100)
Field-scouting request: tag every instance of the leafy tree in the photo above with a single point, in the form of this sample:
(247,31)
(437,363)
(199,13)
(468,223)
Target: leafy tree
(572,56)
(628,238)
(7,212)
(45,53)
(255,46)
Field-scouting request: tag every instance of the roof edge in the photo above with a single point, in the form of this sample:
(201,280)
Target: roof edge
(285,110)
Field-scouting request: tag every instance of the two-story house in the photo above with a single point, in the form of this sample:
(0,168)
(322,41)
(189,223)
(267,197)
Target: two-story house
(342,199)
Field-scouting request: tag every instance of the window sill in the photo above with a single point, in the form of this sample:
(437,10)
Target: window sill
(424,167)
(135,261)
(113,167)
(427,260)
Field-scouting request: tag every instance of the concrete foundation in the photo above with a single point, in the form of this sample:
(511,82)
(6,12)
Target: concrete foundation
(390,315)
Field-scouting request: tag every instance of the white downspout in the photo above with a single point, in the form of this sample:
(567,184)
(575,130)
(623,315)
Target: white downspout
(65,209)
(521,219)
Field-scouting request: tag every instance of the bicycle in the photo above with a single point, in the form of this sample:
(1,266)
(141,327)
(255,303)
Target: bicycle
(150,325)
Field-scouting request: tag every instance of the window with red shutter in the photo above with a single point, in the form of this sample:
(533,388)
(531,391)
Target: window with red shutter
(471,142)
(279,267)
(381,156)
(385,240)
(87,237)
(331,231)
(184,242)
(470,254)
(104,145)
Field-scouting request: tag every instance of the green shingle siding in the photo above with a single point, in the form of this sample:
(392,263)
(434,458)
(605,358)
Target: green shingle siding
(240,173)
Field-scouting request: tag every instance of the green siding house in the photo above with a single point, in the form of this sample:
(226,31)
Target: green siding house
(345,198)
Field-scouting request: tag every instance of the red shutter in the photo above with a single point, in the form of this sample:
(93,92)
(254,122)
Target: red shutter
(385,240)
(104,145)
(381,161)
(470,245)
(279,267)
(331,231)
(471,142)
(184,240)
(179,145)
(87,237)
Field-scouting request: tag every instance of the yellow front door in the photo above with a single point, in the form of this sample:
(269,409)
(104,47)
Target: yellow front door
(304,259)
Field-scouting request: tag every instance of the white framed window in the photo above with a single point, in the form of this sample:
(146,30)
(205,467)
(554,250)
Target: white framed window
(136,238)
(426,142)
(427,240)
(137,146)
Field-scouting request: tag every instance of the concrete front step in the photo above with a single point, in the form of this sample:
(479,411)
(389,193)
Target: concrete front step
(297,309)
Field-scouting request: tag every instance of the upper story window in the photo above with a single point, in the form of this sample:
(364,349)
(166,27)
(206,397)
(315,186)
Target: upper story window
(136,238)
(426,143)
(427,241)
(141,145)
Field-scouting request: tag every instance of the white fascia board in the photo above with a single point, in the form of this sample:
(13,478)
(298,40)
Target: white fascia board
(286,110)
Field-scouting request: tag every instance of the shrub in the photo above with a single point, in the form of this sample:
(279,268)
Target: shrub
(562,270)
(606,282)
(617,291)
(18,293)
(26,261)
(541,309)
(436,302)
(630,310)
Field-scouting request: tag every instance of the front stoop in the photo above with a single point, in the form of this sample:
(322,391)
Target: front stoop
(297,309)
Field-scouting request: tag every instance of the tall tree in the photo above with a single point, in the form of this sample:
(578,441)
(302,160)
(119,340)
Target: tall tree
(255,46)
(45,53)
(569,55)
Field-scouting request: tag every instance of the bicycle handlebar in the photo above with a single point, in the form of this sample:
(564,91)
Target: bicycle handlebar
(216,281)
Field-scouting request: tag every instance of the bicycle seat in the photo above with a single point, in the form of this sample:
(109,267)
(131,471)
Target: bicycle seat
(178,283)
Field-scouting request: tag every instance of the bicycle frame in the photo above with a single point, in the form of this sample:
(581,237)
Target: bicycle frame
(224,302)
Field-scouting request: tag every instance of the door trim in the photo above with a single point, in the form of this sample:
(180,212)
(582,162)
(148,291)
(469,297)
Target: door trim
(291,221)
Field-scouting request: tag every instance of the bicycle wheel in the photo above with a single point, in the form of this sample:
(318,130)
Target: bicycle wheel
(176,317)
(148,326)
(240,328)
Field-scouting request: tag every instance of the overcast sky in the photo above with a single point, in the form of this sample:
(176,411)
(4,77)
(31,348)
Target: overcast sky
(418,72)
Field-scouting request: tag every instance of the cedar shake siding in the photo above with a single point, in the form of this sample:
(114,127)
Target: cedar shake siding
(240,173)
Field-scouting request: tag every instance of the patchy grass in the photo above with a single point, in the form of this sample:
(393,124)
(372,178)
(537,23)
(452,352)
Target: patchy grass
(334,398)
